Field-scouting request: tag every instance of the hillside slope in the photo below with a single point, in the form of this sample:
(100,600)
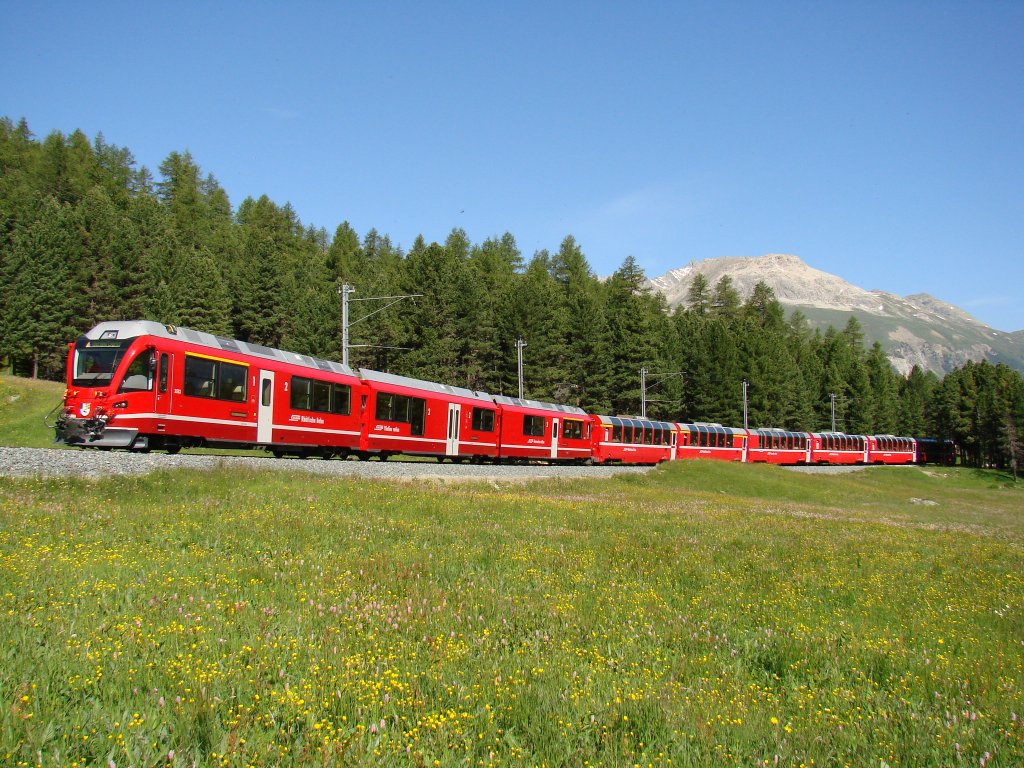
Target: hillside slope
(24,403)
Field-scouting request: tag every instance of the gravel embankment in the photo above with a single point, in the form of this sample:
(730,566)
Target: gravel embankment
(29,462)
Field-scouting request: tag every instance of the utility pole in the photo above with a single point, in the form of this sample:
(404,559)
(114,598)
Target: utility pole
(745,385)
(519,355)
(643,393)
(832,396)
(347,290)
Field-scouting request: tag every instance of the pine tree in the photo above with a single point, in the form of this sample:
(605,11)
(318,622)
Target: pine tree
(633,340)
(884,384)
(586,330)
(698,297)
(200,299)
(914,398)
(435,339)
(725,301)
(538,317)
(39,313)
(494,265)
(343,255)
(113,271)
(259,314)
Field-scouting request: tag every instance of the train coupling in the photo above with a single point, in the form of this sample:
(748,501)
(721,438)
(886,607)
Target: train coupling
(92,433)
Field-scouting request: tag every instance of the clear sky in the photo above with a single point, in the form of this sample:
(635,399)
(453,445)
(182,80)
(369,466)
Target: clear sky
(882,141)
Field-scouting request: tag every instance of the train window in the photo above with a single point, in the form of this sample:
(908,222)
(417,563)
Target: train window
(533,426)
(409,410)
(341,399)
(231,382)
(165,363)
(215,379)
(417,412)
(648,435)
(200,376)
(96,361)
(617,433)
(302,394)
(483,420)
(572,429)
(384,406)
(139,376)
(321,396)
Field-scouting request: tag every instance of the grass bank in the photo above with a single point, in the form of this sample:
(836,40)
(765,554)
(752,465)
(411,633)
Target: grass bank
(24,403)
(705,614)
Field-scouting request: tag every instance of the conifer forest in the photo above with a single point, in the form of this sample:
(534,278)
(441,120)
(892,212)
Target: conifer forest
(86,235)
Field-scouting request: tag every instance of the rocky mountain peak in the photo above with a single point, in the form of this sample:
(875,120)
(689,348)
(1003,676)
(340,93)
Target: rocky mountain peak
(915,330)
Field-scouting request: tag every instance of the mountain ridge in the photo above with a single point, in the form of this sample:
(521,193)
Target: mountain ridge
(919,329)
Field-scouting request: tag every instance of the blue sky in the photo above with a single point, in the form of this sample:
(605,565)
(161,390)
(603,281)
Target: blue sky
(880,141)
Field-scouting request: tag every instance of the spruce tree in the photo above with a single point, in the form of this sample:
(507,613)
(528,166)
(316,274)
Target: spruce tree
(40,314)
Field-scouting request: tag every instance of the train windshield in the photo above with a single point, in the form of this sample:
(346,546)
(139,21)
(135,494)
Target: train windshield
(96,360)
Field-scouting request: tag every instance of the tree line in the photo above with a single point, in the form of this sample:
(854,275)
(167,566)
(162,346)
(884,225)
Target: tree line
(86,236)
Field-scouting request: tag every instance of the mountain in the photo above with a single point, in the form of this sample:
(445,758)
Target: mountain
(914,330)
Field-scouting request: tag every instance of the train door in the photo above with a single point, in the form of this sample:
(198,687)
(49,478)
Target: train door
(164,384)
(745,455)
(265,410)
(554,438)
(454,413)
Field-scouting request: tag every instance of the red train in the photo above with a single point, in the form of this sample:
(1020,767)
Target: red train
(141,385)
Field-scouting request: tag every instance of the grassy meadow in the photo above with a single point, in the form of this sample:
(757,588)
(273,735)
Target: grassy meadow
(704,614)
(24,403)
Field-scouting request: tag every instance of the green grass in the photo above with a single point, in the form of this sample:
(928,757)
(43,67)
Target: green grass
(24,403)
(704,614)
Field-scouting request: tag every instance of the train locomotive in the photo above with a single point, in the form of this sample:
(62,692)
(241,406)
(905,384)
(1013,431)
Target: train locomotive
(141,385)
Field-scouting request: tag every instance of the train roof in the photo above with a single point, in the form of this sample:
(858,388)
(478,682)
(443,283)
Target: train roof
(634,421)
(779,431)
(379,377)
(127,329)
(716,429)
(537,405)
